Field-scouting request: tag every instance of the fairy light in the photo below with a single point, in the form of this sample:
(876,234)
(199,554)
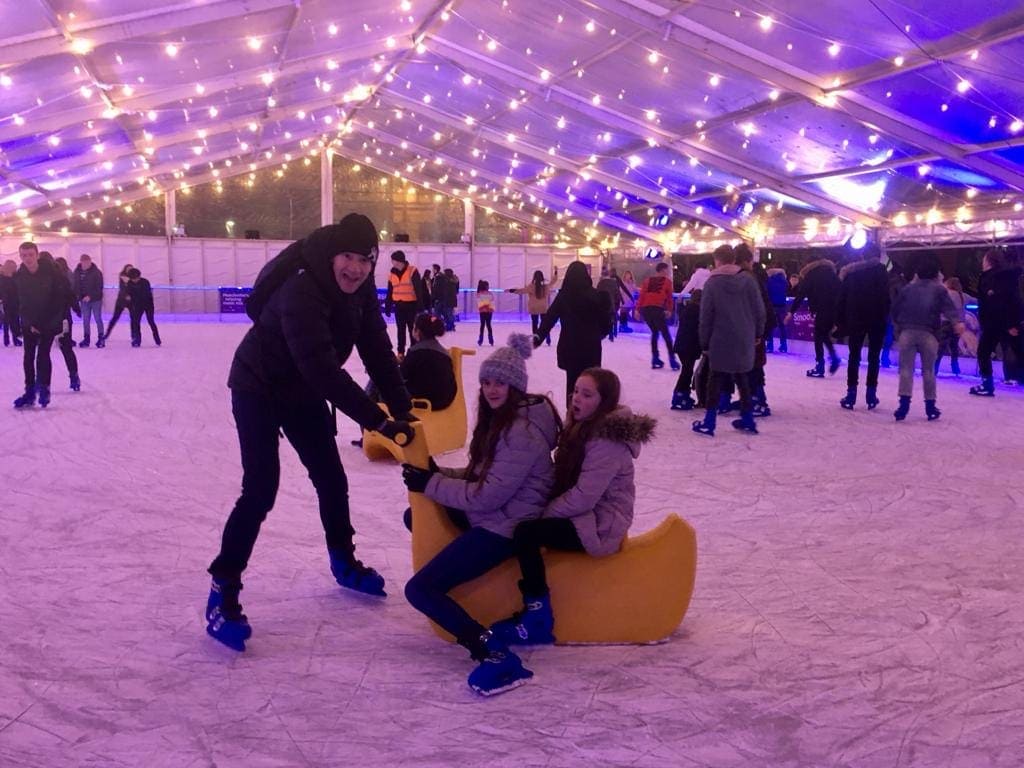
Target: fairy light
(5,81)
(963,86)
(171,50)
(834,50)
(899,61)
(714,81)
(1016,126)
(590,26)
(766,23)
(81,46)
(254,43)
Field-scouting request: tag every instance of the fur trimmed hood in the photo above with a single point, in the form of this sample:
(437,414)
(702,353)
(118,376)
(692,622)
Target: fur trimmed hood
(857,266)
(815,264)
(624,426)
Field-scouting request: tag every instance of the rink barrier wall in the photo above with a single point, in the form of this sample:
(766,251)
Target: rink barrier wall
(187,273)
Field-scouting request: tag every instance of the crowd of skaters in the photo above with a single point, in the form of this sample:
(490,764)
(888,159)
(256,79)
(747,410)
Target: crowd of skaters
(37,299)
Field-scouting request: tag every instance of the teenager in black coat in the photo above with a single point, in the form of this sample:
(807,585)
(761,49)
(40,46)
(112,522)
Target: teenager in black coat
(41,294)
(584,313)
(1001,313)
(140,302)
(9,298)
(862,313)
(687,348)
(819,285)
(322,305)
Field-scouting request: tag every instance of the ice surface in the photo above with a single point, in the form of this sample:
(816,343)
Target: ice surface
(858,596)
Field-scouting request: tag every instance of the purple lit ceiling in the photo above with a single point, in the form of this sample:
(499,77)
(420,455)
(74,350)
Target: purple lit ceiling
(642,117)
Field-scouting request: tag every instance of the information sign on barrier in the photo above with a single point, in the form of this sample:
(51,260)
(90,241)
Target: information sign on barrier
(232,299)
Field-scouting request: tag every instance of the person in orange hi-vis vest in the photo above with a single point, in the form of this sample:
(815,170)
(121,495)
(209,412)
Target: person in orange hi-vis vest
(406,296)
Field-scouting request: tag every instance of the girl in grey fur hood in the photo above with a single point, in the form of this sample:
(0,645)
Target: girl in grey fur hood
(591,506)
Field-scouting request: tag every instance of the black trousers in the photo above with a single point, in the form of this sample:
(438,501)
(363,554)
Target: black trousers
(485,322)
(12,326)
(309,427)
(535,321)
(68,351)
(987,344)
(405,317)
(38,369)
(719,380)
(685,381)
(875,337)
(136,320)
(573,373)
(119,307)
(655,319)
(529,537)
(823,323)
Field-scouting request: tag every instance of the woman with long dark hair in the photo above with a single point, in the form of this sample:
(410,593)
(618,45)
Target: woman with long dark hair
(583,312)
(508,479)
(538,298)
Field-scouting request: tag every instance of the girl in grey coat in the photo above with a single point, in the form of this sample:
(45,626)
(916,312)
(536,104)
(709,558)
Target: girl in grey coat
(592,503)
(508,480)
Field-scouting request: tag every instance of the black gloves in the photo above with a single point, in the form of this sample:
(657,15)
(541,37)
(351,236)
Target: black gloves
(416,479)
(399,431)
(537,341)
(407,417)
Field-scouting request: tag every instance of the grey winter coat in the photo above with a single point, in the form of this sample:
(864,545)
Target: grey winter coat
(922,305)
(519,480)
(600,504)
(732,315)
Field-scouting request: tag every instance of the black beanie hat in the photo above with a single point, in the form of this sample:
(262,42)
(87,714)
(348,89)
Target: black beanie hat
(399,256)
(353,234)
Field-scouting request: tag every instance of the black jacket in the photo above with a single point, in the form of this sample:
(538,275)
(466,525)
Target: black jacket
(88,282)
(999,299)
(41,298)
(306,332)
(585,318)
(820,285)
(687,344)
(140,294)
(863,297)
(9,295)
(428,373)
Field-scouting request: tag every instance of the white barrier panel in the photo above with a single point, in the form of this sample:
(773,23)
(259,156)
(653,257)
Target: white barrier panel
(186,272)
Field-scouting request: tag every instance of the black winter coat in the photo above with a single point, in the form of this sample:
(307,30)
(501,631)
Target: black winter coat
(999,299)
(41,298)
(863,297)
(820,285)
(687,344)
(88,282)
(140,293)
(585,318)
(9,295)
(428,373)
(305,333)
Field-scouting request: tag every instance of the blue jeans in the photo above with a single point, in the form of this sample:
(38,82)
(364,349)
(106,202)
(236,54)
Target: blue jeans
(92,309)
(472,554)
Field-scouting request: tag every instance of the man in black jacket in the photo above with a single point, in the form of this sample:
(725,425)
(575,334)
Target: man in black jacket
(9,298)
(41,303)
(140,302)
(287,366)
(820,286)
(89,292)
(1001,312)
(863,311)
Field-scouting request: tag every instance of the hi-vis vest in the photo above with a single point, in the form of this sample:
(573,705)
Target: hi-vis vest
(402,288)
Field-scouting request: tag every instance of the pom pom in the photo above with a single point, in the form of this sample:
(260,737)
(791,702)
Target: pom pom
(522,343)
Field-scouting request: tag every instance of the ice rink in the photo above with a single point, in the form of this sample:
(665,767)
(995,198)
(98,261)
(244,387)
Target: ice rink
(855,601)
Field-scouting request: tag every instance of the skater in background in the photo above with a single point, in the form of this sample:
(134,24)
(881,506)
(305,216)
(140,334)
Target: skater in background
(731,318)
(9,298)
(121,302)
(485,307)
(508,479)
(778,286)
(451,299)
(427,368)
(862,312)
(406,296)
(538,298)
(41,303)
(655,307)
(758,393)
(917,315)
(311,306)
(896,283)
(583,313)
(700,276)
(592,500)
(69,303)
(88,285)
(629,292)
(949,342)
(819,285)
(140,302)
(1001,313)
(687,348)
(609,283)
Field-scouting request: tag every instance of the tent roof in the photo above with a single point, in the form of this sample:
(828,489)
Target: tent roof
(656,119)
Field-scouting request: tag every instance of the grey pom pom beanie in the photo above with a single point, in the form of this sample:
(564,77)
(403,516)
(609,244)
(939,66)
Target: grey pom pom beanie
(508,364)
